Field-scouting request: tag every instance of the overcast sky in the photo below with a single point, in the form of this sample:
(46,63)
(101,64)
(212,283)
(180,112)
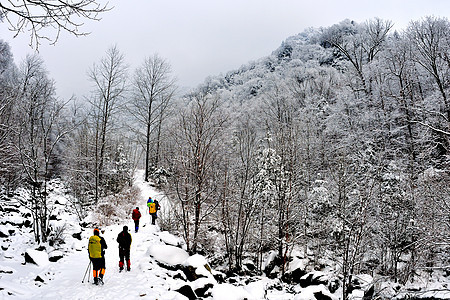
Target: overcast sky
(200,38)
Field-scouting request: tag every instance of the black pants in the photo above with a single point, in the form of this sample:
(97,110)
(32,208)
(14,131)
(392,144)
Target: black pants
(124,255)
(136,225)
(98,266)
(154,217)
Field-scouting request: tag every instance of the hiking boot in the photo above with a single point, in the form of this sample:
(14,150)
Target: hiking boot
(100,281)
(120,269)
(128,269)
(95,280)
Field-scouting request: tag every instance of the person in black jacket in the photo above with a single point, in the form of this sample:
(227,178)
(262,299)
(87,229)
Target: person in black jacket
(124,239)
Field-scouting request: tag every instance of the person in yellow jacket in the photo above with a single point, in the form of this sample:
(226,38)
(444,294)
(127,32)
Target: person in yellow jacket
(96,249)
(153,207)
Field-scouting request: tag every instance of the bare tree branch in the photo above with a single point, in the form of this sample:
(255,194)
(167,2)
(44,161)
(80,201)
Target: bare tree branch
(60,15)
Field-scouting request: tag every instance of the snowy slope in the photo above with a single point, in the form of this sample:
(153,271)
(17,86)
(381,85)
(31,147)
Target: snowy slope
(158,265)
(63,279)
(147,279)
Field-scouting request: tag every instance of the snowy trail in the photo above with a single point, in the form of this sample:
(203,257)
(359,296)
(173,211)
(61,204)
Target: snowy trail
(146,280)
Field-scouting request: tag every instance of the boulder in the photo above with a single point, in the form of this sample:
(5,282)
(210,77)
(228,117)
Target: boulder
(314,278)
(195,267)
(77,235)
(314,292)
(39,258)
(296,270)
(187,291)
(362,284)
(55,256)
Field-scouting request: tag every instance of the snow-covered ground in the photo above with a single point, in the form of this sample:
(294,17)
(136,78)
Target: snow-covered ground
(64,279)
(158,264)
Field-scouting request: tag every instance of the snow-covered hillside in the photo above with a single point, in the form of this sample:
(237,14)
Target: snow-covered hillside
(160,266)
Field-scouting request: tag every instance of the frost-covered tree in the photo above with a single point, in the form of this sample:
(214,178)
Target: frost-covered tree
(109,77)
(195,163)
(8,100)
(153,89)
(271,191)
(238,205)
(41,127)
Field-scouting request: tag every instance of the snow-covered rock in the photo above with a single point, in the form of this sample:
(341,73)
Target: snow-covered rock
(168,255)
(315,292)
(55,256)
(230,292)
(6,230)
(314,278)
(200,266)
(361,286)
(39,258)
(170,239)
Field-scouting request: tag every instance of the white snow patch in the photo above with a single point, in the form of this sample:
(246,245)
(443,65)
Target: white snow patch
(39,257)
(308,292)
(230,292)
(167,254)
(169,239)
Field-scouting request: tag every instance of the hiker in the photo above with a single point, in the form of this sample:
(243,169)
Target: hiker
(96,249)
(136,215)
(153,207)
(124,239)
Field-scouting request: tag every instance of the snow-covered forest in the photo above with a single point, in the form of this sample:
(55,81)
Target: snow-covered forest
(331,154)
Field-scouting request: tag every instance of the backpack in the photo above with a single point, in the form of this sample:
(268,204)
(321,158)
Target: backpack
(152,207)
(136,215)
(95,247)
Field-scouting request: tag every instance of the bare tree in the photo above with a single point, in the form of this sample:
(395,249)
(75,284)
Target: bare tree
(61,15)
(153,89)
(8,99)
(196,177)
(430,41)
(109,78)
(238,205)
(359,44)
(40,129)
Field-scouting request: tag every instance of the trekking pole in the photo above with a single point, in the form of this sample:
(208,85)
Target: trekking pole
(88,268)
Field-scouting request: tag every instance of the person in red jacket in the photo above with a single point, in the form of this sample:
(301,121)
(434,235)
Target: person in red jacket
(136,215)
